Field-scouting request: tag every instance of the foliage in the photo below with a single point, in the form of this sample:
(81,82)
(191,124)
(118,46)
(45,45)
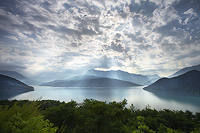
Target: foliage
(63,115)
(23,118)
(93,116)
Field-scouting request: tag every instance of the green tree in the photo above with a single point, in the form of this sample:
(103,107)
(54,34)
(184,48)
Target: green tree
(23,119)
(64,116)
(37,124)
(142,128)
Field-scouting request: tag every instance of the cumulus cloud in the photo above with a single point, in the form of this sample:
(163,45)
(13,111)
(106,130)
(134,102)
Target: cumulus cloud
(134,36)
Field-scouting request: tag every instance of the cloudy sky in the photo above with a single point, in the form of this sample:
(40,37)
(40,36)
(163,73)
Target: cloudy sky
(71,36)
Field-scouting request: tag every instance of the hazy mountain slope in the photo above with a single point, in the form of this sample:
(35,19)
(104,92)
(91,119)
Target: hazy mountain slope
(121,75)
(184,70)
(20,77)
(75,78)
(151,81)
(90,82)
(188,82)
(10,86)
(82,77)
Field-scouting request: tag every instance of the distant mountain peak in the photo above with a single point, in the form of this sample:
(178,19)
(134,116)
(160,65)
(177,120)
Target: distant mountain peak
(125,76)
(186,69)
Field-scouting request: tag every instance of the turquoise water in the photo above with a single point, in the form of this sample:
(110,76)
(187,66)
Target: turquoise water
(135,95)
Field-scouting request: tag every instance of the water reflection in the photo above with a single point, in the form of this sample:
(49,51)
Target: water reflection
(135,95)
(183,98)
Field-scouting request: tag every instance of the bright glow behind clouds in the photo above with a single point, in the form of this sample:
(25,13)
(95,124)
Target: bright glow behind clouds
(143,36)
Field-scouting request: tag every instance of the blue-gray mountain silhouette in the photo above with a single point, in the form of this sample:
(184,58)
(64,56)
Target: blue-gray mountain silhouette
(10,87)
(188,82)
(20,77)
(151,81)
(184,70)
(89,81)
(125,76)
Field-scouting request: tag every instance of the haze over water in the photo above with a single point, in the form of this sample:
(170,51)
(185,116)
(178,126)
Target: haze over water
(135,95)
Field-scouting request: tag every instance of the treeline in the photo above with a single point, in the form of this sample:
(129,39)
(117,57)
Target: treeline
(92,116)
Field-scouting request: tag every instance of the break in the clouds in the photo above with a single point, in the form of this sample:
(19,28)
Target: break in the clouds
(139,36)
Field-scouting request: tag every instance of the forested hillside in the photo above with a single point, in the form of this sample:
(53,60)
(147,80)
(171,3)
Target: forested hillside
(92,116)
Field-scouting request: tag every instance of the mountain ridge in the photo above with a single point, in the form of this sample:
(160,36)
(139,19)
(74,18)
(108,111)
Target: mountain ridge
(19,76)
(10,86)
(187,82)
(122,75)
(90,82)
(184,70)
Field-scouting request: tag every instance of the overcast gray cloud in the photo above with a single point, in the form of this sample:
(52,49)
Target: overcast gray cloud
(138,36)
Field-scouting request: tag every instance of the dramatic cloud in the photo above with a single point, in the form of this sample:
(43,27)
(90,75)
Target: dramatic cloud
(139,36)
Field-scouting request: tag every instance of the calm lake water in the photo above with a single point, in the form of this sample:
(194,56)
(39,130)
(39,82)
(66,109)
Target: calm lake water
(135,95)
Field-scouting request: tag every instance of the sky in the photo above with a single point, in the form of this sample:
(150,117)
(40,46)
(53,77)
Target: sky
(52,37)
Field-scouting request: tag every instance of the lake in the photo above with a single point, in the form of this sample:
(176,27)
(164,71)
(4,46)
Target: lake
(135,95)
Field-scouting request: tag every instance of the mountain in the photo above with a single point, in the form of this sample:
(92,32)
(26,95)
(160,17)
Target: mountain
(188,82)
(89,81)
(10,86)
(151,81)
(184,70)
(20,77)
(73,79)
(121,75)
(82,77)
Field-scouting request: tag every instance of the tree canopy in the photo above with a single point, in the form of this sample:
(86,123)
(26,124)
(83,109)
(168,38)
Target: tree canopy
(92,116)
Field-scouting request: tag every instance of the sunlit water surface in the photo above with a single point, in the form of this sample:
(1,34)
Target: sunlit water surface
(135,95)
